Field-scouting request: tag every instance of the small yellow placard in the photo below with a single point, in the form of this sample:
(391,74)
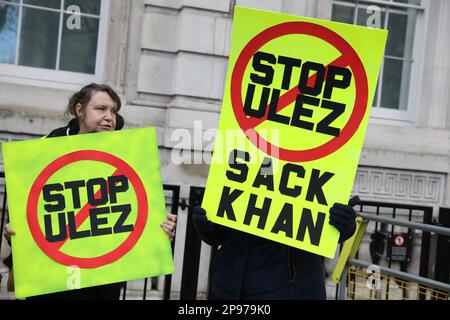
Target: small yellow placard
(86,210)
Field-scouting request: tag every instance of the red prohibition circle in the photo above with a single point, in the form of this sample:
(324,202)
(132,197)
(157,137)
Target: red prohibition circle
(54,252)
(348,55)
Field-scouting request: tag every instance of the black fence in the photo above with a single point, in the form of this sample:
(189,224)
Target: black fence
(173,204)
(381,244)
(442,263)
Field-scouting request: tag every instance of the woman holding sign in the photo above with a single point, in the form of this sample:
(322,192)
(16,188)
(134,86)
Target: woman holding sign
(94,109)
(247,267)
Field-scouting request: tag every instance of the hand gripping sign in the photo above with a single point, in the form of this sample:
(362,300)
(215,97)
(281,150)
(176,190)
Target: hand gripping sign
(92,202)
(294,115)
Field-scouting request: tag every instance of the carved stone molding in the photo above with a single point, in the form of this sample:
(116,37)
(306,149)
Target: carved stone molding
(403,185)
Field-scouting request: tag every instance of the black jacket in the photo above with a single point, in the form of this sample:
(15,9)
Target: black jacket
(69,130)
(247,267)
(73,127)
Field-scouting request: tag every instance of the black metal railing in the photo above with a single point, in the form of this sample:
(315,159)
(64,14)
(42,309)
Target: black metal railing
(442,261)
(381,237)
(173,205)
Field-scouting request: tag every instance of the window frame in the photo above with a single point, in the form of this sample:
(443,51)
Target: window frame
(408,116)
(35,76)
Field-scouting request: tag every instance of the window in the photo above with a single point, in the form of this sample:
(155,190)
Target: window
(395,97)
(52,40)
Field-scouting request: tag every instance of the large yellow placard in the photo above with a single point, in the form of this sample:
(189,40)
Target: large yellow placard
(295,110)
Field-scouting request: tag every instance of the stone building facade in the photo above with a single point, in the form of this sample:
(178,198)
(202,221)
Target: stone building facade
(168,60)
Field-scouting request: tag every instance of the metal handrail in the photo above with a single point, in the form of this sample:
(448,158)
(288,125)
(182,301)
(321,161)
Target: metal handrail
(351,246)
(403,275)
(405,223)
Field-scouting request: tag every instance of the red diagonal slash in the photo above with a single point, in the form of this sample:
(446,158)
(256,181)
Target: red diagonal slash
(81,216)
(52,249)
(290,96)
(349,58)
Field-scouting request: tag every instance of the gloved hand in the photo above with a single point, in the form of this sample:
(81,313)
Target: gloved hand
(343,218)
(213,234)
(201,222)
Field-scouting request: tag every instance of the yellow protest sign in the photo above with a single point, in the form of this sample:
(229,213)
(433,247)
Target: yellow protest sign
(86,210)
(295,110)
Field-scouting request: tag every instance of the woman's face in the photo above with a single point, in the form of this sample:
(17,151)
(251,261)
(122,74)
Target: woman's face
(99,114)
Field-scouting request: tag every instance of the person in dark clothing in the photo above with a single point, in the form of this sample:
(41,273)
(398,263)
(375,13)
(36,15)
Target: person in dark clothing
(8,263)
(248,267)
(95,109)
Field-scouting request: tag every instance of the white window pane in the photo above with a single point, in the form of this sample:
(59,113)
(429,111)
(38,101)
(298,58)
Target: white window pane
(396,74)
(414,2)
(79,46)
(86,6)
(39,38)
(55,4)
(398,25)
(343,14)
(9,20)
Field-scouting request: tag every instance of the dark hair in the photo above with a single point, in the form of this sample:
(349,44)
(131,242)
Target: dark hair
(84,96)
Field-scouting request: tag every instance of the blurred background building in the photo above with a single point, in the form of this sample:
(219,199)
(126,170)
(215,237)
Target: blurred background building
(168,60)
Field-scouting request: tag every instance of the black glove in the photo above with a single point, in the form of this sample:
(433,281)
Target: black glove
(208,231)
(201,222)
(343,218)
